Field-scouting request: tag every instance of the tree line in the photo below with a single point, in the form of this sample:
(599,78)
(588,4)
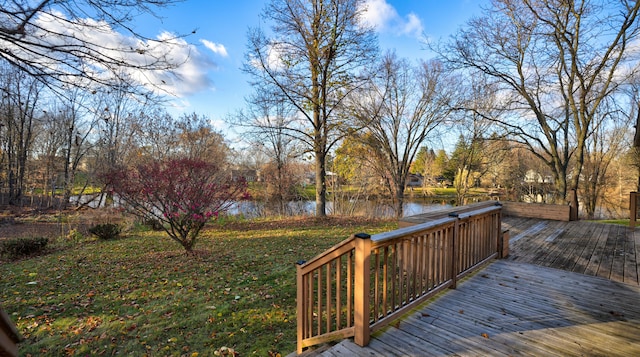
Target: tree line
(548,87)
(59,148)
(556,79)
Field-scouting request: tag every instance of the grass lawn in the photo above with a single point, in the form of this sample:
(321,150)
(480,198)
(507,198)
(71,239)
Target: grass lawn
(141,295)
(622,222)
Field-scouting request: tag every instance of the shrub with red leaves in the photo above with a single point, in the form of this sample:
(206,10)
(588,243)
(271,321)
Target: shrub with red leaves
(182,194)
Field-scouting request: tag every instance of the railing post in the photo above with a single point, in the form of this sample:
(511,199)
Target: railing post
(453,265)
(503,236)
(361,289)
(300,305)
(633,208)
(573,212)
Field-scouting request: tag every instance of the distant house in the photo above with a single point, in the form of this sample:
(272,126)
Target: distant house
(310,177)
(415,180)
(533,176)
(248,175)
(442,181)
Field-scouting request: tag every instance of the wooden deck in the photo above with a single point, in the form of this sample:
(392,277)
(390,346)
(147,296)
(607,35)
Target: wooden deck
(596,249)
(568,288)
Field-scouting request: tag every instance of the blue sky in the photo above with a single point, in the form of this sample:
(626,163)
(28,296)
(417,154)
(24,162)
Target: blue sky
(217,86)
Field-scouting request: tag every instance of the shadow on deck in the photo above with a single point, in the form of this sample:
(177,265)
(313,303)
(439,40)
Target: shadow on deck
(568,288)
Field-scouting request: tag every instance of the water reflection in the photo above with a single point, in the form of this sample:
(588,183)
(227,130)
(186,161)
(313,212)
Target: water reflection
(368,208)
(255,209)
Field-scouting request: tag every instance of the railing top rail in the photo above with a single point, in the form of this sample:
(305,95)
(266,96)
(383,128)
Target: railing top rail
(479,212)
(380,238)
(333,252)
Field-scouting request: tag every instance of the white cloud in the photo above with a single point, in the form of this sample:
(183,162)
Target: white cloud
(379,14)
(190,74)
(274,59)
(413,26)
(216,48)
(384,18)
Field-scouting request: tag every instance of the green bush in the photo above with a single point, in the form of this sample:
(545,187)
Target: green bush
(21,247)
(105,231)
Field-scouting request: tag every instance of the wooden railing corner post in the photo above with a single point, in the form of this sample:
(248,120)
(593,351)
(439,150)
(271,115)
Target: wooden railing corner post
(361,289)
(299,305)
(503,251)
(453,262)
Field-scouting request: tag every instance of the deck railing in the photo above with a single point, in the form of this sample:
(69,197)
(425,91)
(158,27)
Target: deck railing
(365,282)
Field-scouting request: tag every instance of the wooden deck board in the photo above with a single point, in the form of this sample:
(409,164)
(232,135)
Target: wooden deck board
(583,256)
(598,250)
(512,308)
(591,248)
(567,288)
(630,259)
(634,255)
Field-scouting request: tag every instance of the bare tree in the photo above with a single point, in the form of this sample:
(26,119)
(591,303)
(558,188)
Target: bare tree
(400,108)
(265,124)
(48,142)
(78,124)
(479,147)
(311,61)
(604,146)
(55,41)
(155,135)
(115,110)
(197,139)
(159,136)
(115,140)
(555,62)
(634,112)
(20,102)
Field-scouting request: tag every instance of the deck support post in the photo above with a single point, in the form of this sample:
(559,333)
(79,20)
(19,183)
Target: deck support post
(362,281)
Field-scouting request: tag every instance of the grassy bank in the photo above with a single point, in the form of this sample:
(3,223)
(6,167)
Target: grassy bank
(141,295)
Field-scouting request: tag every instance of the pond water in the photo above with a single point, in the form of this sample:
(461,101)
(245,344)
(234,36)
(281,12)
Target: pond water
(369,208)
